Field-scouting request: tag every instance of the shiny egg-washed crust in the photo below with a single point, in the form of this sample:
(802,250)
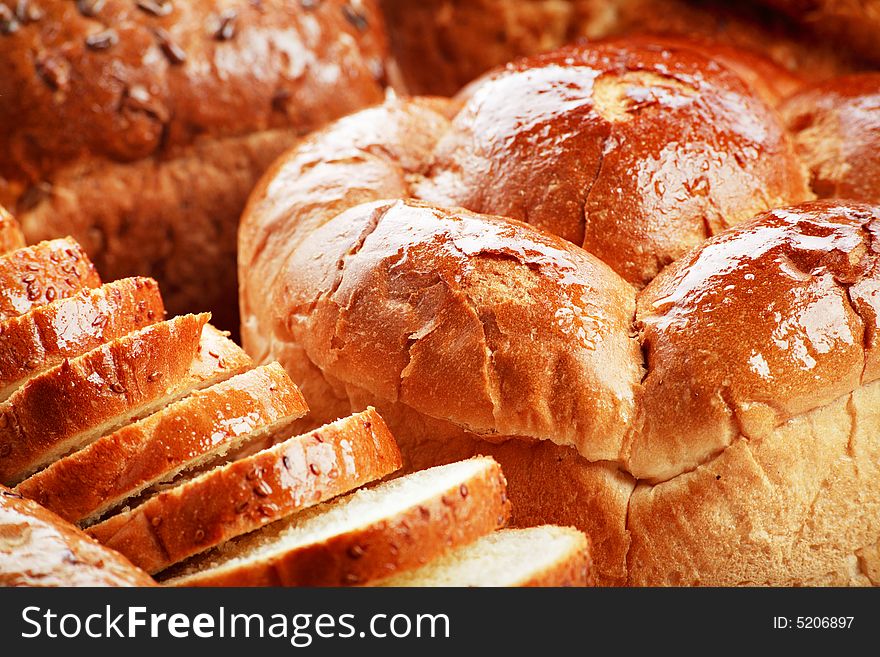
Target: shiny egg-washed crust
(11,237)
(122,464)
(247,494)
(441,45)
(43,337)
(145,147)
(850,24)
(474,344)
(636,152)
(836,130)
(457,515)
(36,275)
(37,548)
(62,409)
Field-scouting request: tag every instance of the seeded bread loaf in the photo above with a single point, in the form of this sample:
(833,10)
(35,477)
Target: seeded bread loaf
(247,494)
(139,127)
(368,535)
(184,435)
(539,556)
(37,548)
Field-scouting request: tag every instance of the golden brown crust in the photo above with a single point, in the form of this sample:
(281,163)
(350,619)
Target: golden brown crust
(635,151)
(120,465)
(411,538)
(11,237)
(56,411)
(576,570)
(36,275)
(250,493)
(66,328)
(37,548)
(836,131)
(808,279)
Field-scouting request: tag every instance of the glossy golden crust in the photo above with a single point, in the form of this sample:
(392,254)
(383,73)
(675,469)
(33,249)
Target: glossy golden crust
(637,152)
(807,281)
(36,275)
(37,548)
(66,328)
(836,131)
(11,237)
(120,465)
(410,538)
(60,409)
(252,492)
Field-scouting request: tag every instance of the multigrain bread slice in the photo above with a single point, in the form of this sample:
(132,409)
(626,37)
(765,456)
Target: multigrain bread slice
(37,548)
(87,397)
(187,434)
(11,237)
(247,494)
(39,274)
(537,556)
(43,337)
(371,534)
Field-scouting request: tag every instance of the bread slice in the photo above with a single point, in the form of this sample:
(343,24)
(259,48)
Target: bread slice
(43,337)
(245,495)
(82,399)
(11,237)
(537,556)
(186,434)
(371,534)
(39,274)
(37,548)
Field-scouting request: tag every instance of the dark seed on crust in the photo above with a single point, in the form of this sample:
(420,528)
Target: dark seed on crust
(353,16)
(200,535)
(356,551)
(8,22)
(156,7)
(315,468)
(263,489)
(25,12)
(172,51)
(102,40)
(227,25)
(90,7)
(286,461)
(156,521)
(54,72)
(463,489)
(153,376)
(118,388)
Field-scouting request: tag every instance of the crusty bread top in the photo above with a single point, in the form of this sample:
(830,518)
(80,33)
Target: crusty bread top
(124,81)
(769,320)
(207,423)
(368,535)
(537,556)
(471,318)
(75,402)
(244,495)
(836,130)
(66,328)
(637,152)
(37,548)
(11,237)
(39,274)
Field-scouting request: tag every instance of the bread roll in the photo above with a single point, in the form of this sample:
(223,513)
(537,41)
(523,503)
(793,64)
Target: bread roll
(836,130)
(442,45)
(139,128)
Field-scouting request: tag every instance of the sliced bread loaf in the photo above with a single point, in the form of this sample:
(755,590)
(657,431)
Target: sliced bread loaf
(11,237)
(87,397)
(368,535)
(39,274)
(43,337)
(537,556)
(247,494)
(186,434)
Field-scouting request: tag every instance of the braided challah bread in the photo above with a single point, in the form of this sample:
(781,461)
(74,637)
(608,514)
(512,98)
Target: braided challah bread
(140,127)
(718,427)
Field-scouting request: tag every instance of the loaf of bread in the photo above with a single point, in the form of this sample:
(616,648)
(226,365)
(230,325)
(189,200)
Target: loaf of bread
(37,548)
(836,129)
(441,45)
(140,127)
(690,450)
